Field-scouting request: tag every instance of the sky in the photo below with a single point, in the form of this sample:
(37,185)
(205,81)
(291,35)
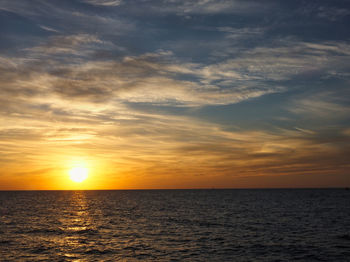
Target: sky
(174,94)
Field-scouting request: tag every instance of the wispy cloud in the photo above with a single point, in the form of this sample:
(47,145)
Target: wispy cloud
(71,44)
(104,2)
(326,105)
(206,6)
(152,77)
(49,29)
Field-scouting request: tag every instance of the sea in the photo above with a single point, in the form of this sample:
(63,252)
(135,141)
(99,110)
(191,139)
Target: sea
(176,225)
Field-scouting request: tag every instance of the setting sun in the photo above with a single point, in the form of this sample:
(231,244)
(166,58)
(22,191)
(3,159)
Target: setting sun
(78,174)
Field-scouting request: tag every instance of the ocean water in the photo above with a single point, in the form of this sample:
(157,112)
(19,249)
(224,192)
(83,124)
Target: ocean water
(176,225)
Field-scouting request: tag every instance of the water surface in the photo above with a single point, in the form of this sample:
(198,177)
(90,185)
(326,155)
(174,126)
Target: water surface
(176,225)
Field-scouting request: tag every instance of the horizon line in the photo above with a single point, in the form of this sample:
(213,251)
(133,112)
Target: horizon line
(163,189)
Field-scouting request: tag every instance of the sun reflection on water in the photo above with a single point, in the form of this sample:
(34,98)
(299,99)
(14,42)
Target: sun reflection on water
(77,223)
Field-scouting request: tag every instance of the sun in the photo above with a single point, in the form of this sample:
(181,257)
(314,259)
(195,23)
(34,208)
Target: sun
(78,174)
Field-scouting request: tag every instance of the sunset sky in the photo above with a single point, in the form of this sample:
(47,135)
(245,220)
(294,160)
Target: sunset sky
(174,94)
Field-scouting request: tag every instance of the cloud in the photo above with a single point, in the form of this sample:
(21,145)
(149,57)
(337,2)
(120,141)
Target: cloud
(326,105)
(107,3)
(68,19)
(287,60)
(194,147)
(49,29)
(326,11)
(66,44)
(332,13)
(157,78)
(181,7)
(164,142)
(241,33)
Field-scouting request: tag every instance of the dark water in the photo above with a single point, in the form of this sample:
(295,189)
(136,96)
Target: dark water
(176,225)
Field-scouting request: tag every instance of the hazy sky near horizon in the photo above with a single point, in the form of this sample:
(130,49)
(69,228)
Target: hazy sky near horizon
(175,94)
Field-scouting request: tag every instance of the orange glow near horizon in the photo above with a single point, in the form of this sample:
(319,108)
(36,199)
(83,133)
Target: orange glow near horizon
(234,159)
(81,170)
